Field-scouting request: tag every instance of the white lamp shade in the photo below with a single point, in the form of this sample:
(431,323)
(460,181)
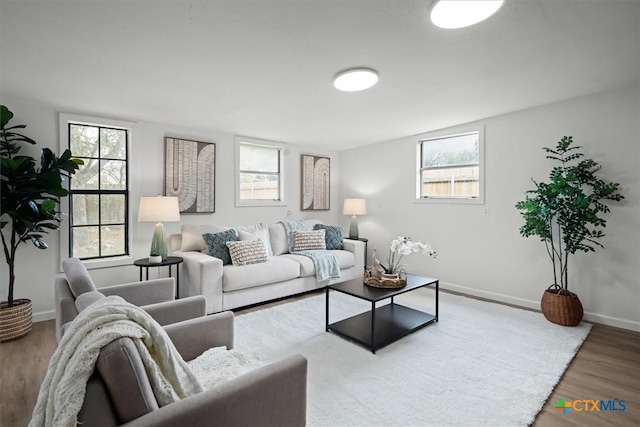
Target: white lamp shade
(159,209)
(354,207)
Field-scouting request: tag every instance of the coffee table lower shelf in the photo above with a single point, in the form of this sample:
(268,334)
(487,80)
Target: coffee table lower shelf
(392,322)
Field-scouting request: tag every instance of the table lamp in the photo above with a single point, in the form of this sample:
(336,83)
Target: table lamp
(354,207)
(158,209)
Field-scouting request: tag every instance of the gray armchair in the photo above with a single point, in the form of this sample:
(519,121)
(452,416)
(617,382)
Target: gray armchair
(152,295)
(119,392)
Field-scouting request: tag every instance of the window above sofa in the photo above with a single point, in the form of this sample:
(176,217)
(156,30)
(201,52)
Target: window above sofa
(260,173)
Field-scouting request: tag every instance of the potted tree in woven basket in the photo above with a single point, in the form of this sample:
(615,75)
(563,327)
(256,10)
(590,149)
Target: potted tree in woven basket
(567,214)
(30,197)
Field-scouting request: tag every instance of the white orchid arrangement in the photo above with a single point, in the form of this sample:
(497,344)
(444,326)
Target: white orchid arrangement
(404,246)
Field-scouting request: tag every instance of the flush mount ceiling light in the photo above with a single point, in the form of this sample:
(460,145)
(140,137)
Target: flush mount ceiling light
(355,79)
(462,13)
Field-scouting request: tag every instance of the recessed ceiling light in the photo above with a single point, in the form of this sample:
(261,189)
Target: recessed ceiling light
(463,13)
(355,79)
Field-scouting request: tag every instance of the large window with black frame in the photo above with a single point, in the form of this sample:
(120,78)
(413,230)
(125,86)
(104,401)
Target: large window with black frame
(99,192)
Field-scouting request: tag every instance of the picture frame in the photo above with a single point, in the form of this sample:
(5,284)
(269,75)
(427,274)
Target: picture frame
(315,183)
(190,174)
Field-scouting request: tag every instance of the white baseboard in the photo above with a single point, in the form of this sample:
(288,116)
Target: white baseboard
(44,315)
(612,321)
(521,302)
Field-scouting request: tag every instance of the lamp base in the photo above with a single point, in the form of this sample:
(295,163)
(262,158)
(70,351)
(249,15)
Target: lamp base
(353,229)
(159,243)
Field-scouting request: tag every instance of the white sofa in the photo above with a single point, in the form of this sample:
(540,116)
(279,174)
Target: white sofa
(283,274)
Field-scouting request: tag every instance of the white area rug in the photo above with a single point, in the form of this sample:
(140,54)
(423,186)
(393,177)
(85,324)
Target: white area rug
(482,364)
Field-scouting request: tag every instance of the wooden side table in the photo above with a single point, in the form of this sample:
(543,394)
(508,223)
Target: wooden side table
(168,262)
(362,239)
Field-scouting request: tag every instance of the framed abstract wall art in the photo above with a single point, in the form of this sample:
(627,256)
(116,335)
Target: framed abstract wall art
(316,183)
(190,174)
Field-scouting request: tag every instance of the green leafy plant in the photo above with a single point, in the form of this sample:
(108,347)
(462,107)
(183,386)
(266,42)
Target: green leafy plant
(567,212)
(30,194)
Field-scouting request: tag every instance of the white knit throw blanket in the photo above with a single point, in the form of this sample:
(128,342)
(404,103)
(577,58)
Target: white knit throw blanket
(63,389)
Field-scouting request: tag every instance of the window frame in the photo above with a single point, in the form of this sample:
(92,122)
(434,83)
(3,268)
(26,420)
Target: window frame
(65,122)
(239,141)
(450,133)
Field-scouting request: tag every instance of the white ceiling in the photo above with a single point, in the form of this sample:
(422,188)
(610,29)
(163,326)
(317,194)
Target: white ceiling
(264,69)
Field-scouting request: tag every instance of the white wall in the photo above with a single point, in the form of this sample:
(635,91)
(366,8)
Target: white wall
(485,255)
(35,269)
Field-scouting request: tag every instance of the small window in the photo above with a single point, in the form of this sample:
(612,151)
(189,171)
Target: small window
(260,173)
(450,167)
(99,191)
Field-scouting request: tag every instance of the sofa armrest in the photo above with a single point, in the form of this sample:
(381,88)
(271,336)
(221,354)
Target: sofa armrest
(357,248)
(144,293)
(65,313)
(65,304)
(272,395)
(201,275)
(169,312)
(194,337)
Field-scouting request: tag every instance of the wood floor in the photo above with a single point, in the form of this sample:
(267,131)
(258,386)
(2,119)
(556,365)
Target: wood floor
(607,367)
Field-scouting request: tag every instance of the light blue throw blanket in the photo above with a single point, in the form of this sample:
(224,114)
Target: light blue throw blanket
(325,262)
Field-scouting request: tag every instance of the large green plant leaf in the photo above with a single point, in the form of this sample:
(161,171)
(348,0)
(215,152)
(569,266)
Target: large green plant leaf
(5,116)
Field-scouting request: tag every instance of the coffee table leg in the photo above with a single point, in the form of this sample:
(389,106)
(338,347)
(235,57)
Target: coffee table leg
(437,292)
(326,322)
(373,327)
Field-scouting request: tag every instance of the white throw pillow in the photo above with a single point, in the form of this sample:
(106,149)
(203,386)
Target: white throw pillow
(257,231)
(309,240)
(245,236)
(247,252)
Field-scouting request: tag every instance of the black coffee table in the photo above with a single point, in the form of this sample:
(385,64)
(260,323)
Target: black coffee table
(382,325)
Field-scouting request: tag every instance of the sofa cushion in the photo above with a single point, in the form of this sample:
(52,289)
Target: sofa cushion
(77,277)
(346,259)
(217,244)
(278,238)
(85,300)
(247,252)
(332,235)
(308,240)
(192,239)
(257,231)
(276,269)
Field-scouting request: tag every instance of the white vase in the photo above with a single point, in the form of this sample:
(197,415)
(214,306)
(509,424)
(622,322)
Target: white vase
(157,259)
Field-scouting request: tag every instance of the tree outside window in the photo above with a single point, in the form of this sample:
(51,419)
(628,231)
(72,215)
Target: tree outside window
(99,192)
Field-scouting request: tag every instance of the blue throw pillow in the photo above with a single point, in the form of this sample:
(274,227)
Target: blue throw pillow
(332,235)
(217,244)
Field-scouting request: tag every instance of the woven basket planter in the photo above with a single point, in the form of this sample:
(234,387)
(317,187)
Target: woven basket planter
(15,321)
(561,306)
